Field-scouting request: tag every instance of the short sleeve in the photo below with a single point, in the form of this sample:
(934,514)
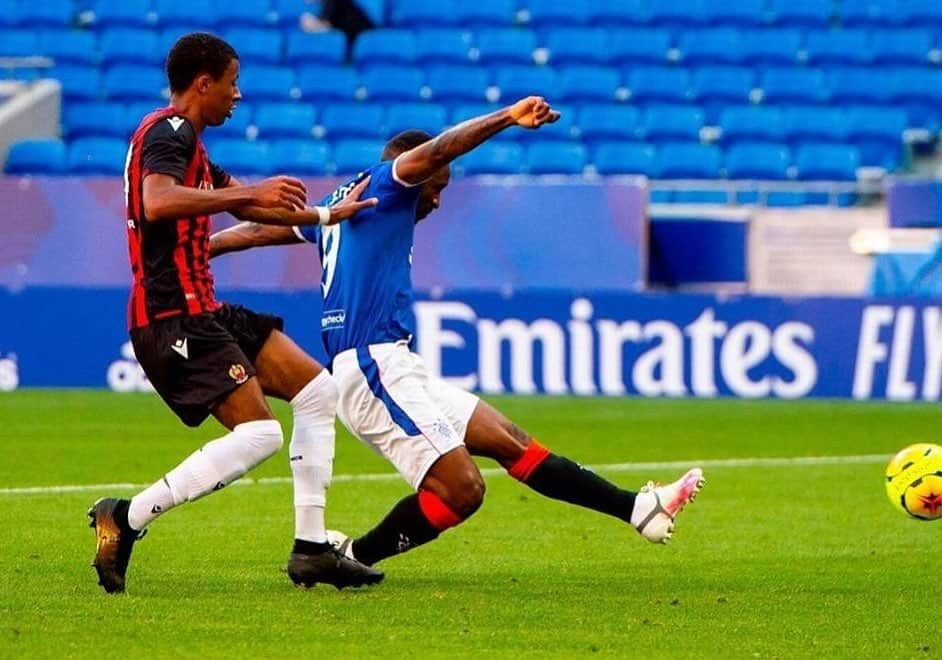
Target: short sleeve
(383,176)
(168,148)
(220,176)
(308,233)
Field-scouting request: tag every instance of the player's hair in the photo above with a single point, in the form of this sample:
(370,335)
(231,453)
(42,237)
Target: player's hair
(406,140)
(194,54)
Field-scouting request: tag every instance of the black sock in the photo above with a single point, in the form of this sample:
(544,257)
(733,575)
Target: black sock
(404,527)
(561,479)
(302,547)
(121,515)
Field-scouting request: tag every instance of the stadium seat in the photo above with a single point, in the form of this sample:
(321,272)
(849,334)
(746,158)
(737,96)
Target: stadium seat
(552,13)
(646,46)
(428,117)
(677,14)
(492,158)
(556,158)
(658,84)
(284,120)
(192,12)
(236,126)
(458,83)
(96,120)
(515,82)
(921,13)
(577,46)
(18,43)
(353,156)
(793,86)
(79,83)
(323,83)
(46,14)
(375,10)
(382,47)
(905,47)
(677,123)
(131,46)
(36,157)
(505,46)
(256,45)
(442,46)
(829,162)
(715,46)
(587,83)
(389,83)
(470,110)
(243,157)
(287,13)
(328,47)
(244,13)
(731,85)
(431,13)
(97,156)
(877,13)
(347,120)
(758,161)
(492,13)
(68,46)
(299,157)
(598,123)
(134,83)
(860,85)
(689,161)
(770,46)
(878,134)
(809,124)
(626,158)
(830,47)
(801,13)
(752,124)
(124,14)
(744,13)
(8,13)
(619,13)
(266,83)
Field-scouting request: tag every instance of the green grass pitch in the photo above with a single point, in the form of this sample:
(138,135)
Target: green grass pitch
(779,560)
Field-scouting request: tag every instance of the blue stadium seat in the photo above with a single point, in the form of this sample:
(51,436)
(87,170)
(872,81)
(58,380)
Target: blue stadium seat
(18,43)
(598,123)
(389,83)
(346,120)
(134,83)
(243,157)
(770,46)
(376,10)
(131,46)
(380,47)
(556,158)
(97,156)
(236,126)
(36,157)
(266,83)
(328,47)
(458,83)
(68,46)
(919,92)
(515,82)
(752,124)
(545,13)
(442,46)
(284,120)
(729,85)
(287,13)
(191,12)
(124,14)
(689,161)
(588,83)
(409,13)
(851,46)
(8,13)
(45,14)
(677,13)
(906,47)
(860,85)
(758,161)
(793,86)
(672,123)
(626,158)
(578,46)
(921,13)
(470,110)
(79,83)
(714,46)
(505,46)
(490,13)
(832,162)
(801,13)
(244,13)
(95,119)
(619,13)
(649,46)
(255,45)
(658,84)
(299,157)
(745,13)
(492,158)
(878,133)
(354,156)
(808,124)
(428,117)
(318,84)
(877,13)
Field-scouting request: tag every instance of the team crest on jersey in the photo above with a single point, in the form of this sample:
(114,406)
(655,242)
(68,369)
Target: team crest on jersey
(238,373)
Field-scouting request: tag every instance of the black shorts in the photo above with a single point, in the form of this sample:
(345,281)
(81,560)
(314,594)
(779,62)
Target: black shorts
(195,361)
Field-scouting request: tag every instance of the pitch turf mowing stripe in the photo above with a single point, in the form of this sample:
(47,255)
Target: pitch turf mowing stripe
(864,459)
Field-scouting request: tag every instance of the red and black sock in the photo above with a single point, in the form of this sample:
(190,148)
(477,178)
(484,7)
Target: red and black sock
(414,521)
(561,479)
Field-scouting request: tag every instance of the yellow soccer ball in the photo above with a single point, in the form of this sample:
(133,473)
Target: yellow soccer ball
(914,481)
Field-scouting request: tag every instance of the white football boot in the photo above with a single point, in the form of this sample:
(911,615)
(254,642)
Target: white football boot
(341,542)
(656,506)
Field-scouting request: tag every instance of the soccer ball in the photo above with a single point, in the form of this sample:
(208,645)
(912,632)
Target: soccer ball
(914,481)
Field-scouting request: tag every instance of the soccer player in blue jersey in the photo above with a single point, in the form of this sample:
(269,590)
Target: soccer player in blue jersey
(427,428)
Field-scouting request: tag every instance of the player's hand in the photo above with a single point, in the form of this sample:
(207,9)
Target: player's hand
(351,204)
(533,112)
(280,192)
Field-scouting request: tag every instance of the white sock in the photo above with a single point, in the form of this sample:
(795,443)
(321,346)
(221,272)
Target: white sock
(311,453)
(217,464)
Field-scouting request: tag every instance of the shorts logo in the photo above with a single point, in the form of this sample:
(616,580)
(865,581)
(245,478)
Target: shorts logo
(238,373)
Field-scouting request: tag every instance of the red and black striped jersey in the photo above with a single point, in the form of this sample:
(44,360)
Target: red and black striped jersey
(169,258)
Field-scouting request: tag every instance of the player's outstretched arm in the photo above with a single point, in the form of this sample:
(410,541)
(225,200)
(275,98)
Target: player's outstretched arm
(417,165)
(166,199)
(247,235)
(309,215)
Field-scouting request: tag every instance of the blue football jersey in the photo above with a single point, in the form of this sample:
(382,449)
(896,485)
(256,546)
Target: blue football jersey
(366,283)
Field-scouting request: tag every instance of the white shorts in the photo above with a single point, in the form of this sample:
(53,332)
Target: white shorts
(388,400)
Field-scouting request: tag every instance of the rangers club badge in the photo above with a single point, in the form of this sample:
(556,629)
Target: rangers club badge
(238,373)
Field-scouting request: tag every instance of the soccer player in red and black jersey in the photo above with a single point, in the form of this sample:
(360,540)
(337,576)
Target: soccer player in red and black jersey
(209,358)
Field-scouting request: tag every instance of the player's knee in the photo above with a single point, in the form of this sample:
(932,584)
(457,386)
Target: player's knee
(318,398)
(467,494)
(264,438)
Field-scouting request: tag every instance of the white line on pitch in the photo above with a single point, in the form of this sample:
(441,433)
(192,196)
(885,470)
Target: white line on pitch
(865,459)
